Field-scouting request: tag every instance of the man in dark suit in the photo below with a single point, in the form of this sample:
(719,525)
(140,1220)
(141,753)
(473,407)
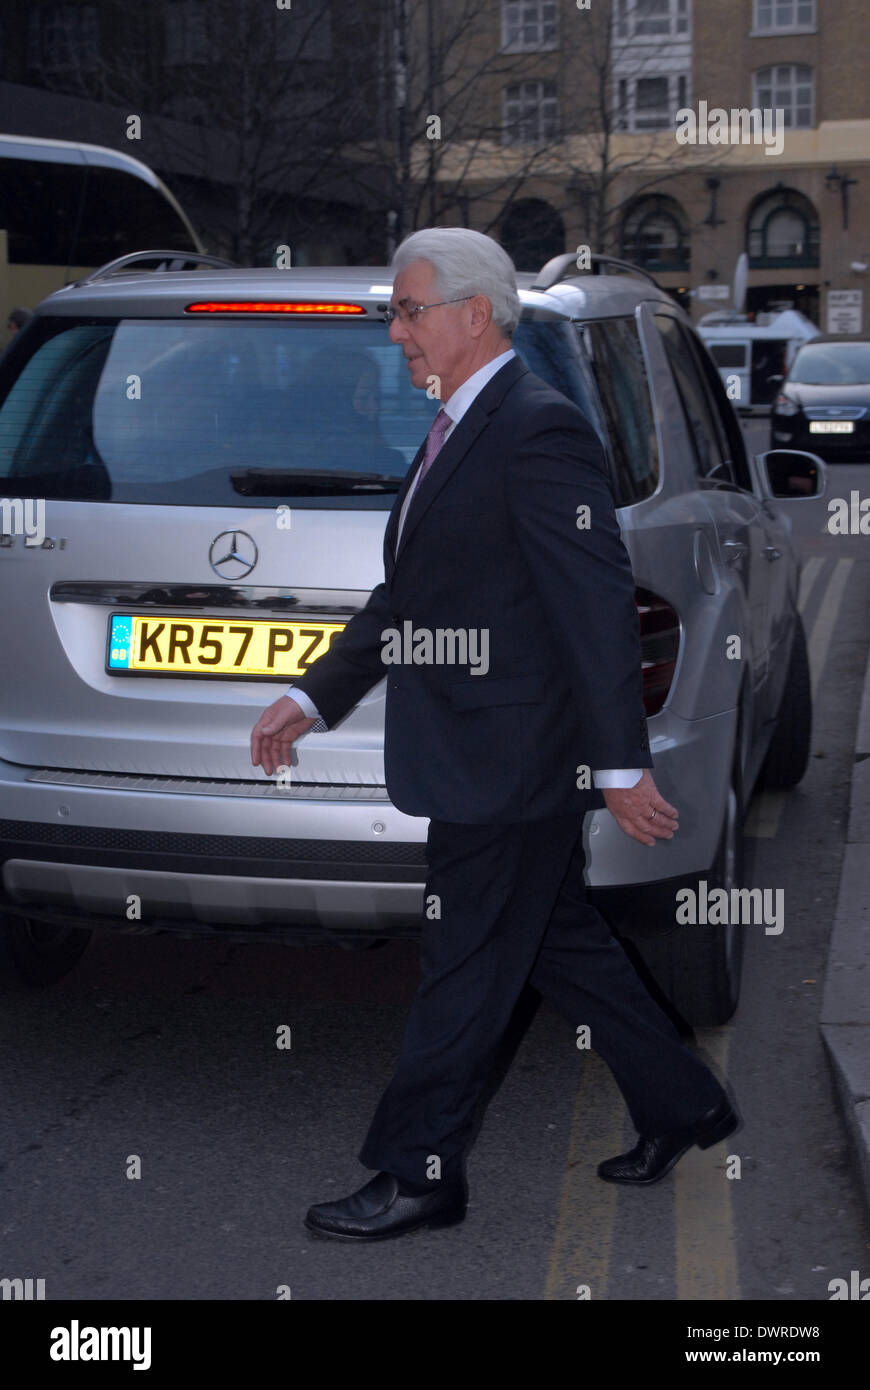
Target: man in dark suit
(486,565)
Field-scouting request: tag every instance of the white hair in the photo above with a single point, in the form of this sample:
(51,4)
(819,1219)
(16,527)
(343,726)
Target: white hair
(466,262)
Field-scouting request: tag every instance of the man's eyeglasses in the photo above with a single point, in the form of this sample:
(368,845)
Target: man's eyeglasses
(411,313)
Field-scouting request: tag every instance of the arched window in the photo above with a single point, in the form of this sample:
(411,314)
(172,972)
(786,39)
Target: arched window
(655,234)
(782,230)
(532,232)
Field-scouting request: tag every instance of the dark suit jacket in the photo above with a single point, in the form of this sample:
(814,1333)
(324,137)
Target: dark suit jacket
(491,541)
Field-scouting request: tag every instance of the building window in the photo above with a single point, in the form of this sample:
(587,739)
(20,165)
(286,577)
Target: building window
(782,231)
(655,234)
(186,32)
(649,103)
(787,87)
(531,113)
(529,25)
(651,107)
(651,19)
(63,38)
(779,16)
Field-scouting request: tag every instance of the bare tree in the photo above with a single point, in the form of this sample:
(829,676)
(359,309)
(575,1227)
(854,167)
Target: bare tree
(250,102)
(345,127)
(449,59)
(438,114)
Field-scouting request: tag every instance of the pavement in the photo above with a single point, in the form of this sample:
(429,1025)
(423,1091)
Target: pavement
(845,1017)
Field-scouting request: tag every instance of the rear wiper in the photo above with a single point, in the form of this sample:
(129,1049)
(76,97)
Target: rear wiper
(269,482)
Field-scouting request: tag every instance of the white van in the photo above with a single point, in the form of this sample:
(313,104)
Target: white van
(757,354)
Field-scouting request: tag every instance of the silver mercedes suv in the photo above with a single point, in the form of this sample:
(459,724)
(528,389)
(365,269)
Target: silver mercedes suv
(198,463)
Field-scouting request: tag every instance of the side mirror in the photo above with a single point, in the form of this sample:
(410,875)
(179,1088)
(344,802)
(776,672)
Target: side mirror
(791,473)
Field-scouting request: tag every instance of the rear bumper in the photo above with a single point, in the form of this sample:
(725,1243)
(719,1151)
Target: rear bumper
(104,862)
(89,848)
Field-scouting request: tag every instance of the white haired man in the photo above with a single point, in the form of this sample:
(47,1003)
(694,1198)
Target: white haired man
(483,535)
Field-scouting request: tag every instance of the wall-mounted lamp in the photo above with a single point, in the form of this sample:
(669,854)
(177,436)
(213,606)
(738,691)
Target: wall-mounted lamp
(712,184)
(835,179)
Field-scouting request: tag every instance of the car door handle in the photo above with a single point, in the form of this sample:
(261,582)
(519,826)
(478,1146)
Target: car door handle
(734,552)
(771,553)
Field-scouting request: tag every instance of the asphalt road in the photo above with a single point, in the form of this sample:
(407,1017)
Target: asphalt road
(165,1050)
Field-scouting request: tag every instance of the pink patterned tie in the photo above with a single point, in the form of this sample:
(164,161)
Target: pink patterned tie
(434,441)
(435,438)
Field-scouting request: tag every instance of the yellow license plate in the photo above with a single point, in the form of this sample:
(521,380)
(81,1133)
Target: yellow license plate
(249,649)
(832,427)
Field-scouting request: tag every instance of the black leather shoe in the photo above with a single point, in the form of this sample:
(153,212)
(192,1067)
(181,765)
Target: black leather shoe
(653,1157)
(380,1210)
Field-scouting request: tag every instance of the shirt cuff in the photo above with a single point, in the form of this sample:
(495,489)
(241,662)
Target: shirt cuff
(615,777)
(305,702)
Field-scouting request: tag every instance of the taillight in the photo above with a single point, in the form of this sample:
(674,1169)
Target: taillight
(659,644)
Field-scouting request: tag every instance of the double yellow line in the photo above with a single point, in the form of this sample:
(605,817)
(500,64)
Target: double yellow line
(698,1258)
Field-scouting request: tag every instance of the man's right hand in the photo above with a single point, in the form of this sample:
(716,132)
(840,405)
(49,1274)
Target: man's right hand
(275,732)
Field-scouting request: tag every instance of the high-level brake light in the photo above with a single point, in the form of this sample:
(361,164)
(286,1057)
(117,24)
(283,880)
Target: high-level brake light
(265,306)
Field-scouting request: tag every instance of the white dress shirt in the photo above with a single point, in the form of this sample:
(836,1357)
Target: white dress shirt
(456,407)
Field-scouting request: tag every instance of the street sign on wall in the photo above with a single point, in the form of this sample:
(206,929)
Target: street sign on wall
(845,311)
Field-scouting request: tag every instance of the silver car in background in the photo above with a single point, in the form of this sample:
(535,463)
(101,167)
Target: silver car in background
(215,452)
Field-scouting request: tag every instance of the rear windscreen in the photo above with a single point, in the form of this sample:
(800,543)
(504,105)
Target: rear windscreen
(181,412)
(184,413)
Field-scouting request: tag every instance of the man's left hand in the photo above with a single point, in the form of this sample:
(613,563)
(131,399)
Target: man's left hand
(632,808)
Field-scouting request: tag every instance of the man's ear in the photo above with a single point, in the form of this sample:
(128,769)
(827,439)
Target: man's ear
(481,314)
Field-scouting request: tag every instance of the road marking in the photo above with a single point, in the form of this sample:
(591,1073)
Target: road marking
(704,1236)
(809,574)
(823,627)
(587,1206)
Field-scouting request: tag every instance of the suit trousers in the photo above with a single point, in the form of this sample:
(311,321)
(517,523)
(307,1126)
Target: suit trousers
(507,904)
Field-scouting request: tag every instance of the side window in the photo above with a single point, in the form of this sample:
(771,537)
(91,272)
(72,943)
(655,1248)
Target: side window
(727,415)
(614,351)
(122,213)
(705,428)
(40,204)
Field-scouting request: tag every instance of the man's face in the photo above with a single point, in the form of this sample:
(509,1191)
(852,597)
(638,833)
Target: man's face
(438,342)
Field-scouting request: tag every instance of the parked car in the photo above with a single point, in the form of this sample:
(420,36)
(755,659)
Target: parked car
(824,404)
(217,450)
